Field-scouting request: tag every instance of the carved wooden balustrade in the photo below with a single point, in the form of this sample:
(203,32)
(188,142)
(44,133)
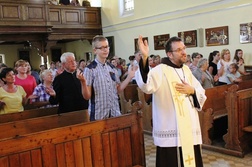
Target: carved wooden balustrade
(37,20)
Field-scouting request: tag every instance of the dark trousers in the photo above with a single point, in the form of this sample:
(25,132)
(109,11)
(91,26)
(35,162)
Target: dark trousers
(220,83)
(167,156)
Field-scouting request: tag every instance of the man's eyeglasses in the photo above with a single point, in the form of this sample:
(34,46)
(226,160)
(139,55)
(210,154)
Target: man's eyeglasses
(179,50)
(102,48)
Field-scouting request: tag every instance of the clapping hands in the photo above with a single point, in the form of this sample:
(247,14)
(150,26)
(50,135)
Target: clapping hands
(80,76)
(132,70)
(50,91)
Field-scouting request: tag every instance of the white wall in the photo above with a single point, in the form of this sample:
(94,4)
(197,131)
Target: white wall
(170,17)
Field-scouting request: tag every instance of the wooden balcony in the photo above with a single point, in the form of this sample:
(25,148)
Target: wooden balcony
(37,20)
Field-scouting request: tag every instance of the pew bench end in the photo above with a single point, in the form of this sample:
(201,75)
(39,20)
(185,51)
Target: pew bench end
(247,128)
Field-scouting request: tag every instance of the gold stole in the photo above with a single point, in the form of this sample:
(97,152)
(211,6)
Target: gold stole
(183,118)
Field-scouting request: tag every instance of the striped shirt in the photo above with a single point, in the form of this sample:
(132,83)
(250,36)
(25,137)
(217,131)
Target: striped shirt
(103,78)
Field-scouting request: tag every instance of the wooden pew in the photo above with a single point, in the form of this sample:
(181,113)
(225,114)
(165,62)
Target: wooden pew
(246,77)
(31,125)
(239,107)
(128,97)
(245,84)
(215,108)
(111,142)
(131,94)
(248,68)
(147,111)
(26,114)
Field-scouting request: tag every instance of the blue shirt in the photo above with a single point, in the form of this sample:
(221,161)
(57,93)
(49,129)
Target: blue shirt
(103,78)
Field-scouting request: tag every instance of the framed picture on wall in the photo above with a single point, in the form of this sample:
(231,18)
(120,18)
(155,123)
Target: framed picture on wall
(159,41)
(111,47)
(56,54)
(88,56)
(24,55)
(136,43)
(2,58)
(189,38)
(246,33)
(217,36)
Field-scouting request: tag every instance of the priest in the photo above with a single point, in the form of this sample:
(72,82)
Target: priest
(177,97)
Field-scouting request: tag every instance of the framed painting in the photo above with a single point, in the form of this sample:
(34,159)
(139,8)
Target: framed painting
(159,41)
(24,54)
(2,58)
(246,33)
(189,38)
(55,54)
(111,47)
(88,56)
(217,36)
(136,44)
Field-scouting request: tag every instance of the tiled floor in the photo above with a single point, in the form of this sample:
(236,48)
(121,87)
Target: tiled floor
(210,159)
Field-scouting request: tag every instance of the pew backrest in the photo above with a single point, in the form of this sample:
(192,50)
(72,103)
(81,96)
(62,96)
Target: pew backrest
(245,84)
(128,97)
(17,129)
(216,100)
(246,77)
(216,97)
(110,142)
(130,93)
(248,68)
(26,114)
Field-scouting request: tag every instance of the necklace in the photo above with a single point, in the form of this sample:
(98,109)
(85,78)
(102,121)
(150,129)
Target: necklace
(179,75)
(10,89)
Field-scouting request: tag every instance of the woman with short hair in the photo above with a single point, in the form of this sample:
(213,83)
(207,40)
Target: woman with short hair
(43,91)
(12,97)
(202,75)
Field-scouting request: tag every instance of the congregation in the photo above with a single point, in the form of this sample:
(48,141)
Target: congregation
(177,96)
(44,88)
(95,85)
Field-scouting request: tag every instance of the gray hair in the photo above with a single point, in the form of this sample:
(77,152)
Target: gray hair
(44,73)
(201,62)
(65,55)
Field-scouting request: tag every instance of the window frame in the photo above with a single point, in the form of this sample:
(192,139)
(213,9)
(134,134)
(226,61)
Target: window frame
(123,12)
